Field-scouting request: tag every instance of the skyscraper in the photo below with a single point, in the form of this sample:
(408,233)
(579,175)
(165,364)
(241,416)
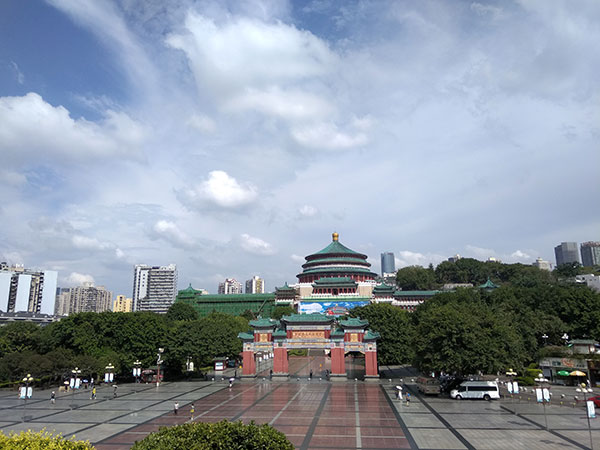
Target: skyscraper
(27,290)
(388,264)
(566,252)
(590,254)
(255,285)
(230,286)
(154,287)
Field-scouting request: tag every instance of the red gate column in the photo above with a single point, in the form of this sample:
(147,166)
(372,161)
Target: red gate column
(249,365)
(371,364)
(280,361)
(338,365)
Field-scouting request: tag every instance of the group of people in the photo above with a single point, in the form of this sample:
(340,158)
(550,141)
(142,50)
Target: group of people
(176,409)
(93,395)
(399,390)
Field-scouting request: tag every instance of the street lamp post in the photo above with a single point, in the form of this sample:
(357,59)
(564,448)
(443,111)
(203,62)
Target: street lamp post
(74,384)
(543,395)
(26,392)
(545,338)
(109,374)
(587,411)
(158,362)
(565,337)
(137,370)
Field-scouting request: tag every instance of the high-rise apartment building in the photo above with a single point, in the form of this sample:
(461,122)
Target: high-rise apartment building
(154,287)
(230,286)
(27,290)
(89,298)
(255,285)
(62,307)
(566,252)
(122,304)
(388,264)
(590,254)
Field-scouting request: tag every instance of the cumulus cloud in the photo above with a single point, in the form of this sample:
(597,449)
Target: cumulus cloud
(308,211)
(244,53)
(407,258)
(87,243)
(256,245)
(221,191)
(171,233)
(519,255)
(30,126)
(327,136)
(77,279)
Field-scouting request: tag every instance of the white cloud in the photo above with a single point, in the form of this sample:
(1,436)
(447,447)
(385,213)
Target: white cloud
(479,252)
(327,136)
(298,259)
(407,258)
(256,245)
(244,52)
(87,243)
(30,126)
(17,72)
(170,232)
(77,279)
(519,255)
(219,190)
(308,211)
(202,123)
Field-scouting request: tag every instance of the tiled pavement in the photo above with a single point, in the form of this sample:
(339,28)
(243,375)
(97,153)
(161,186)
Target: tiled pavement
(314,415)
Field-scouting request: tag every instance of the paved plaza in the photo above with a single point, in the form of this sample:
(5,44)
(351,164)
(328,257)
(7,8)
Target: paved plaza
(314,414)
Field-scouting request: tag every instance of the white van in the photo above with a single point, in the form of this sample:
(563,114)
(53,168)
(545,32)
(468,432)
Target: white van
(486,390)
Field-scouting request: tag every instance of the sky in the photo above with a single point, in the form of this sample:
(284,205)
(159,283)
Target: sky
(232,138)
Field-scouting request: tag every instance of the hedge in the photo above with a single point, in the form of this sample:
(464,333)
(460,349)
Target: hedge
(41,440)
(222,435)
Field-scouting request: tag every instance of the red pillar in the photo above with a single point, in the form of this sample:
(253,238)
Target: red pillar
(338,365)
(280,361)
(371,364)
(248,364)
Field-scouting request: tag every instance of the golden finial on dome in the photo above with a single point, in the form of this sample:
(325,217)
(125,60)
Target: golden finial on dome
(335,236)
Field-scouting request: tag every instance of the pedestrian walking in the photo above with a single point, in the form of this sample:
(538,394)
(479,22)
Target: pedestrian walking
(399,392)
(231,380)
(115,391)
(175,408)
(270,374)
(408,399)
(192,412)
(310,375)
(53,397)
(93,393)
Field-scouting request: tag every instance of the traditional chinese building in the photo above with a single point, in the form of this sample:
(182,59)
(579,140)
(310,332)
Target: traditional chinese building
(309,331)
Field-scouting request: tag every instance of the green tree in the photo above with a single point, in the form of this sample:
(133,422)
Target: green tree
(416,278)
(395,327)
(458,332)
(280,311)
(182,311)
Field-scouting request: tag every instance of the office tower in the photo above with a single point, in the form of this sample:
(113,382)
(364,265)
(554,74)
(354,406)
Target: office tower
(27,290)
(154,287)
(590,254)
(566,252)
(388,264)
(542,265)
(255,285)
(230,286)
(122,304)
(89,298)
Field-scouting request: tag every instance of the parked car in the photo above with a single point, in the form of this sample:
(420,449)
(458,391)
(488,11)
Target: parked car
(485,390)
(428,385)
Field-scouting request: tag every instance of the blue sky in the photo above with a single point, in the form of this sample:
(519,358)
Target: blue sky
(232,138)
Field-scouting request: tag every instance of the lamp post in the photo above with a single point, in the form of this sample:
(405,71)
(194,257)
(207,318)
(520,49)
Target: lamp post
(26,392)
(137,370)
(109,374)
(74,384)
(587,410)
(545,338)
(158,362)
(565,337)
(543,395)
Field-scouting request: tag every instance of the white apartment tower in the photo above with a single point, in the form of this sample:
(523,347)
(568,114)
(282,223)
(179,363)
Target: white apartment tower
(27,290)
(230,286)
(154,287)
(255,285)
